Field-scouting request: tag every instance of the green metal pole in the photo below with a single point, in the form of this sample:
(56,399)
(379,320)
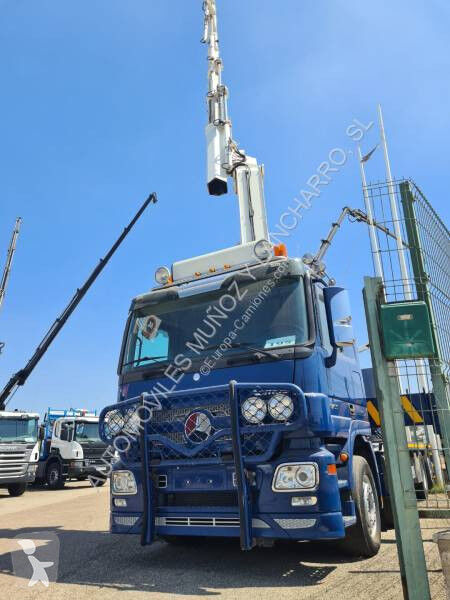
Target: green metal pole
(440,388)
(413,567)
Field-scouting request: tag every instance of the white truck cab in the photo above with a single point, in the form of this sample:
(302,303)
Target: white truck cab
(71,448)
(19,450)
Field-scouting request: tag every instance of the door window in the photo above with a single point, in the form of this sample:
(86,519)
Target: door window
(322,320)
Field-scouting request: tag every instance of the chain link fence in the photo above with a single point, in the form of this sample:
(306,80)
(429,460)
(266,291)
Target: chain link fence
(414,254)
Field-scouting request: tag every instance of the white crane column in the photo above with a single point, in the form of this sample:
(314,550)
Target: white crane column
(224,159)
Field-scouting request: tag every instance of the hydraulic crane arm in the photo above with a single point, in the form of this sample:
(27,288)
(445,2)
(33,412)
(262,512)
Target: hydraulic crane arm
(359,216)
(224,158)
(9,259)
(21,376)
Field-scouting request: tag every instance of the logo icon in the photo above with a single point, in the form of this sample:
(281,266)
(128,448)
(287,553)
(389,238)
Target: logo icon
(35,559)
(39,574)
(197,427)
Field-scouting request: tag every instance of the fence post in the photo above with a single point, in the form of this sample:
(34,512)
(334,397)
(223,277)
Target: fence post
(411,555)
(440,389)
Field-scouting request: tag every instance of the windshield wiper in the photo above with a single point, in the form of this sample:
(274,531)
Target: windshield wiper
(248,346)
(139,360)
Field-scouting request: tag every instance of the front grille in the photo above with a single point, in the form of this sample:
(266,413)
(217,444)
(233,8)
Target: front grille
(93,453)
(13,462)
(177,414)
(193,499)
(12,470)
(13,456)
(197,521)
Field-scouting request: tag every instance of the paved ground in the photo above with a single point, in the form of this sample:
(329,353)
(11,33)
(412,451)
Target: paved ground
(96,565)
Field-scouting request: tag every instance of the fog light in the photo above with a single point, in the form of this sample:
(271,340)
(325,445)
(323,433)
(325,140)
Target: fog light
(281,407)
(120,502)
(32,469)
(303,500)
(254,410)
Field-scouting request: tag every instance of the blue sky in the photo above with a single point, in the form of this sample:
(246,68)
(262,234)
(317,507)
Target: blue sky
(103,102)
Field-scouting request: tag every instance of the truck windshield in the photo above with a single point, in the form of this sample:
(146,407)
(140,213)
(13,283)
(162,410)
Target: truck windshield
(261,314)
(18,430)
(87,432)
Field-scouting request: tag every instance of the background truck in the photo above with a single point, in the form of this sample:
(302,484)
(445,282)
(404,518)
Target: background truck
(19,450)
(70,448)
(242,411)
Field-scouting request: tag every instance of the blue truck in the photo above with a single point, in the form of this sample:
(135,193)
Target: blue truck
(241,409)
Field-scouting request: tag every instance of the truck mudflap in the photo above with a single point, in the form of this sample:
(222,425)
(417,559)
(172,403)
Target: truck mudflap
(138,423)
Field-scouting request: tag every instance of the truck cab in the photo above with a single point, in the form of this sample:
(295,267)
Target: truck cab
(243,408)
(71,448)
(19,450)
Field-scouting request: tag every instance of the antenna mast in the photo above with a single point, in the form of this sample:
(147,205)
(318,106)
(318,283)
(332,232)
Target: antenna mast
(9,259)
(224,158)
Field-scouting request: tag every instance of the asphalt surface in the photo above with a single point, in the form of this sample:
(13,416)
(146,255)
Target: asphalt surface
(96,565)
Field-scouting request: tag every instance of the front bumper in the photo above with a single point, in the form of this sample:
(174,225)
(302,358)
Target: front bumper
(7,480)
(81,469)
(258,511)
(302,526)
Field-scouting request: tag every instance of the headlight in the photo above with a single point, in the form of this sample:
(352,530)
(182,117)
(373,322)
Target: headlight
(32,469)
(254,410)
(295,476)
(123,482)
(281,407)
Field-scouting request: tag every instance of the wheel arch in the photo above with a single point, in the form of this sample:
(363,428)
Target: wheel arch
(358,443)
(55,458)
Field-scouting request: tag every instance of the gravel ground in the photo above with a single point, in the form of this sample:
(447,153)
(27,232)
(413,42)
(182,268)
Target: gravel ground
(94,564)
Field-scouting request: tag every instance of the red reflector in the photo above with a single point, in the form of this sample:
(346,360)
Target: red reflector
(331,469)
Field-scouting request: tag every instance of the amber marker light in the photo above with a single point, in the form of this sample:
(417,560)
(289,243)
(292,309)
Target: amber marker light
(280,250)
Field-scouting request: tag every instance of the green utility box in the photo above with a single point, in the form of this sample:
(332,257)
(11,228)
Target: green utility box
(406,330)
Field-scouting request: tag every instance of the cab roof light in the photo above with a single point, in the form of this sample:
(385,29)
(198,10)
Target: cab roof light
(263,250)
(163,276)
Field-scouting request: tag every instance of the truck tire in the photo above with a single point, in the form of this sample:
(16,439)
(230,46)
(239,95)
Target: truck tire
(54,477)
(364,538)
(17,489)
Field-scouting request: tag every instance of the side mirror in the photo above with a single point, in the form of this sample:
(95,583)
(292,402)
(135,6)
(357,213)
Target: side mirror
(339,316)
(41,434)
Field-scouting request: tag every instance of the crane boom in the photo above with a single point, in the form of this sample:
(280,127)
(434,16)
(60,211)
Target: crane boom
(9,259)
(359,216)
(21,376)
(224,158)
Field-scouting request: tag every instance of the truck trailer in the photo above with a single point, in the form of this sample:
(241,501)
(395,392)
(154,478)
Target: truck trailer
(242,411)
